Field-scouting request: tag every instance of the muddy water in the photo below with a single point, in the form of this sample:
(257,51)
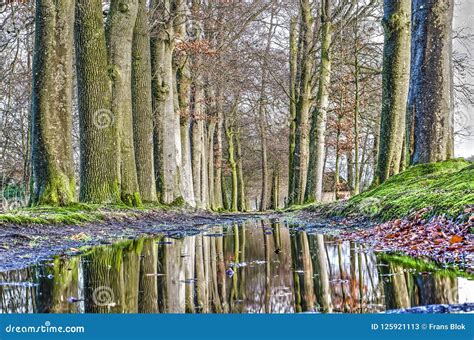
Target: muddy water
(259,266)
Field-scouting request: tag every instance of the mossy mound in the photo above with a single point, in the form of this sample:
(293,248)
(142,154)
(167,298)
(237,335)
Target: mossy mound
(444,187)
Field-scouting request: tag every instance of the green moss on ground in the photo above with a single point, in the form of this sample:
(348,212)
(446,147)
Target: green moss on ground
(75,213)
(444,187)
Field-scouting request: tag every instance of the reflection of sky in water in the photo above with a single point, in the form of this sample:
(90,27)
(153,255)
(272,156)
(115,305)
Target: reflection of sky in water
(308,272)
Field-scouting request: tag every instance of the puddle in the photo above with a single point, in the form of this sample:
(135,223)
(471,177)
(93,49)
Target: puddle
(259,266)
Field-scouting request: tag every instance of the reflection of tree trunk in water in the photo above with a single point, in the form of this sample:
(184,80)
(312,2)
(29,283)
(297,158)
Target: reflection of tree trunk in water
(268,273)
(436,289)
(296,278)
(64,285)
(234,291)
(201,284)
(148,293)
(324,275)
(131,269)
(189,251)
(171,290)
(243,295)
(361,278)
(395,291)
(103,279)
(215,289)
(343,307)
(277,234)
(221,276)
(352,255)
(207,270)
(304,289)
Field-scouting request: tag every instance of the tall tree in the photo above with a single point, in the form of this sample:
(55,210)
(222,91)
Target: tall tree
(119,32)
(304,103)
(52,160)
(142,105)
(167,135)
(430,103)
(100,172)
(395,83)
(199,119)
(183,92)
(292,94)
(314,186)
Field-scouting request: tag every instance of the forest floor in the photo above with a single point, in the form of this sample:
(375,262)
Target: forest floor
(425,212)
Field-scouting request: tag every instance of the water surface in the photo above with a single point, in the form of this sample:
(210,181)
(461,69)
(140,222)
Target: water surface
(259,266)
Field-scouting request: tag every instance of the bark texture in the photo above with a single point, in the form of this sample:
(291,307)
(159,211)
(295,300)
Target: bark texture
(395,83)
(303,106)
(119,31)
(319,118)
(142,105)
(100,172)
(167,135)
(430,106)
(52,160)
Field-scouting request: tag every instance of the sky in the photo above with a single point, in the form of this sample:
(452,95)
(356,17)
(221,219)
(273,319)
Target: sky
(464,16)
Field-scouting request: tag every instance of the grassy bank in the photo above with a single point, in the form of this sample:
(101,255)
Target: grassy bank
(439,188)
(78,213)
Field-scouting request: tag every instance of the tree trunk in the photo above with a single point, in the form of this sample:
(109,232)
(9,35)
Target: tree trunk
(99,152)
(301,152)
(52,160)
(183,82)
(293,84)
(142,106)
(395,82)
(233,165)
(430,101)
(319,119)
(167,136)
(218,192)
(119,32)
(240,176)
(275,190)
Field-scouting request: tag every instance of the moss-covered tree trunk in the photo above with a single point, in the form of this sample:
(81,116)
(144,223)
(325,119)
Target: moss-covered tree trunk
(51,128)
(167,136)
(142,105)
(292,92)
(314,186)
(99,152)
(119,32)
(430,106)
(304,103)
(395,83)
